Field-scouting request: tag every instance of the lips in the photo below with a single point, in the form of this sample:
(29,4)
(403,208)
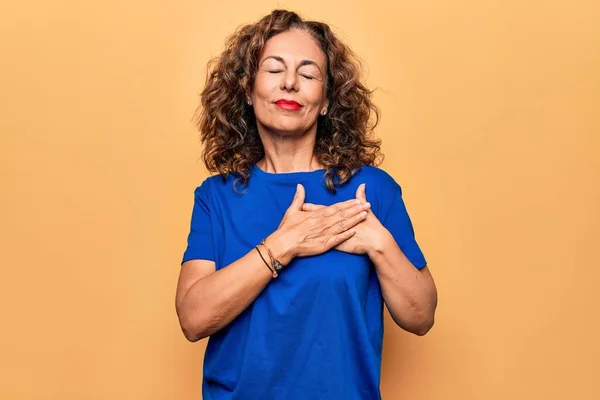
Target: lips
(288,104)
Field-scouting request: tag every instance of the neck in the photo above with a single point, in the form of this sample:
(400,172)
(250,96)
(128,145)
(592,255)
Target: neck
(288,153)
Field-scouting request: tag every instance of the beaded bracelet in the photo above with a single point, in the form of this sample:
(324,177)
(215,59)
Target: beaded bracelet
(277,266)
(273,272)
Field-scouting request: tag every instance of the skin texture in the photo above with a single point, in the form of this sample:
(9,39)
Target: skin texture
(293,67)
(293,73)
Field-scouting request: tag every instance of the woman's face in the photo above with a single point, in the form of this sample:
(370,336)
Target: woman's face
(289,87)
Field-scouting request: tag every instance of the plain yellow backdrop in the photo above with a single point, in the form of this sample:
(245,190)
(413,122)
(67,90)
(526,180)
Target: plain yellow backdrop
(490,122)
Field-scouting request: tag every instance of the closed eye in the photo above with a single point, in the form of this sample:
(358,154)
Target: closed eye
(276,71)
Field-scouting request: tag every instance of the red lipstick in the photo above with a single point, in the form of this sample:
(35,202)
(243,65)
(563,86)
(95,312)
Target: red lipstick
(288,104)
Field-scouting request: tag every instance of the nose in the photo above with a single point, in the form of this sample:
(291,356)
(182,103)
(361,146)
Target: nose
(289,81)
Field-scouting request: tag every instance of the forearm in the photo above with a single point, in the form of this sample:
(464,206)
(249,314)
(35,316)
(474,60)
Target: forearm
(409,294)
(215,300)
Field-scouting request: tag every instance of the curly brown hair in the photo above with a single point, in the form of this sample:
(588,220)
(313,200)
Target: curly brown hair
(227,124)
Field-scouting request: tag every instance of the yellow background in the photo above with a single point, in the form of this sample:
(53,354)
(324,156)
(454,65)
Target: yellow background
(491,123)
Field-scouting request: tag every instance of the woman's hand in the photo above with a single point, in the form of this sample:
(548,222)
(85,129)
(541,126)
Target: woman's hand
(369,232)
(314,231)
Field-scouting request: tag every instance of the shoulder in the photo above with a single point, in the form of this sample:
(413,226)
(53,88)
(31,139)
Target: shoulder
(212,185)
(382,190)
(381,181)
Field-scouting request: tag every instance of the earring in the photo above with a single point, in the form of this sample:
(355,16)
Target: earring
(249,102)
(324,112)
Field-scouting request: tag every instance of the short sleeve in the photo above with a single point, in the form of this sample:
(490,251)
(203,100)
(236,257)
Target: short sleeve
(398,222)
(200,240)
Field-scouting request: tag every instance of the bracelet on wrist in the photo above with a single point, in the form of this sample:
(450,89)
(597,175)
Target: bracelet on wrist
(277,266)
(273,271)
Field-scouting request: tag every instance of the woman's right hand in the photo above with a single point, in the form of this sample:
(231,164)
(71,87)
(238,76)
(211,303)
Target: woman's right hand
(307,233)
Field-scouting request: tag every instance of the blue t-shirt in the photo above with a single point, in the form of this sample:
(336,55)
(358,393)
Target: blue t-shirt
(316,331)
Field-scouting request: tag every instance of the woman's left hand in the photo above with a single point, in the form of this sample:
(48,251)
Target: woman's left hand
(370,233)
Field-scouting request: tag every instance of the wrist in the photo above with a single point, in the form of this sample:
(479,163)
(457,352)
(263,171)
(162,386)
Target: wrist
(280,247)
(379,245)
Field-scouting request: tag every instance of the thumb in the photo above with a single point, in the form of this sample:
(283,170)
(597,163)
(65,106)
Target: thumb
(361,192)
(298,200)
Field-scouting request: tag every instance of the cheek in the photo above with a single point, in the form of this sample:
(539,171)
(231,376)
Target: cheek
(314,95)
(263,86)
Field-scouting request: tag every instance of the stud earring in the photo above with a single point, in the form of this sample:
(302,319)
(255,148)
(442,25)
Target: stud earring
(249,102)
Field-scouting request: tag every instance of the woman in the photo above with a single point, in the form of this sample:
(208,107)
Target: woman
(298,315)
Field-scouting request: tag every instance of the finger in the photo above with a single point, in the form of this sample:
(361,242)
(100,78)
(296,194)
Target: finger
(348,223)
(361,192)
(312,207)
(298,198)
(339,238)
(339,207)
(349,212)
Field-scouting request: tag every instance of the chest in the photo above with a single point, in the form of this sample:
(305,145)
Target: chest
(240,228)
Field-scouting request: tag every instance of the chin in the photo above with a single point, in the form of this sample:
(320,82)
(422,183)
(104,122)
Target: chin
(288,129)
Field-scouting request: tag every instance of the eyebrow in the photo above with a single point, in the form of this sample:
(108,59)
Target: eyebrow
(302,63)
